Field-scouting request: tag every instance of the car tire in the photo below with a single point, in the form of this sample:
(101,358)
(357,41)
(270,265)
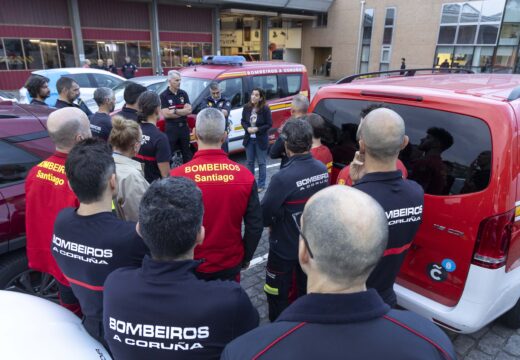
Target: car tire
(512,318)
(15,275)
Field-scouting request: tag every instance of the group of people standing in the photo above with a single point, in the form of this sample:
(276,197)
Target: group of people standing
(128,69)
(152,260)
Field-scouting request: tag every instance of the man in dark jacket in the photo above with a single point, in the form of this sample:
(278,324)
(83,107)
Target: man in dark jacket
(282,206)
(89,242)
(343,236)
(299,107)
(228,188)
(218,101)
(131,94)
(101,122)
(68,92)
(381,137)
(161,310)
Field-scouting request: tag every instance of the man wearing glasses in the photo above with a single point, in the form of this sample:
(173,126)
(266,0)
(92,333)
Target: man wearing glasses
(282,206)
(347,231)
(217,101)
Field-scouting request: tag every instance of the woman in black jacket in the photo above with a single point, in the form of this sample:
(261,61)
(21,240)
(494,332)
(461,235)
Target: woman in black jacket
(256,121)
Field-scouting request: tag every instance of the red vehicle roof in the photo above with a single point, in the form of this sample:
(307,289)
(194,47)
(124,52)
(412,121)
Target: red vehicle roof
(248,68)
(490,86)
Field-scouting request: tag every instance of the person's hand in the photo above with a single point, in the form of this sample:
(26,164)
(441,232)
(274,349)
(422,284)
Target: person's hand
(255,129)
(187,107)
(357,167)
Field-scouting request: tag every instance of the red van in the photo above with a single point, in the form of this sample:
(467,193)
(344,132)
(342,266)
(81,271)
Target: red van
(280,81)
(463,268)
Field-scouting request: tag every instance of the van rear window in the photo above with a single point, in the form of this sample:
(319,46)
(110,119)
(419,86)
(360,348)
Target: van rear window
(448,153)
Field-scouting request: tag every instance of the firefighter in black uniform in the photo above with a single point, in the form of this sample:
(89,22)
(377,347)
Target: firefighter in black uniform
(175,107)
(161,310)
(38,88)
(282,206)
(343,235)
(90,242)
(381,137)
(128,69)
(218,101)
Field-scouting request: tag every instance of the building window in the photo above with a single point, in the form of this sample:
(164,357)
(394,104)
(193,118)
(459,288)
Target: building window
(3,56)
(487,34)
(450,14)
(66,53)
(15,58)
(512,11)
(387,39)
(132,50)
(443,56)
(505,59)
(510,34)
(470,12)
(145,54)
(368,21)
(463,57)
(91,51)
(321,20)
(466,34)
(447,35)
(33,55)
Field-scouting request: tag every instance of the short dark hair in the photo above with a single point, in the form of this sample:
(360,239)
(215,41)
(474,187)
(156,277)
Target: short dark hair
(64,83)
(444,137)
(371,107)
(132,92)
(170,216)
(319,127)
(89,167)
(147,103)
(297,134)
(34,83)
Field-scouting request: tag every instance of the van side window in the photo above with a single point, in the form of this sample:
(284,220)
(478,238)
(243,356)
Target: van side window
(15,163)
(448,153)
(294,82)
(233,91)
(269,84)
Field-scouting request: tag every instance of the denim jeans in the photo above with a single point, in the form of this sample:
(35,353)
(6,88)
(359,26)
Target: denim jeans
(253,152)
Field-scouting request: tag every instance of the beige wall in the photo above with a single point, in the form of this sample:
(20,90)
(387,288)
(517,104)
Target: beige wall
(414,37)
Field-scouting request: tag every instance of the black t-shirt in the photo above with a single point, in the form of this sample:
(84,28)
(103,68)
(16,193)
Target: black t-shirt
(101,125)
(169,100)
(88,248)
(155,148)
(60,104)
(128,70)
(127,113)
(38,102)
(403,202)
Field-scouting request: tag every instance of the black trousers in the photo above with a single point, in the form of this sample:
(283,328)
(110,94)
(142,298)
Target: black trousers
(95,329)
(68,300)
(179,136)
(282,279)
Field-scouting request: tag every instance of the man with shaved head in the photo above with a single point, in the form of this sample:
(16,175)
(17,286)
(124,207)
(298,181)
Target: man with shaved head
(343,234)
(230,196)
(373,170)
(47,192)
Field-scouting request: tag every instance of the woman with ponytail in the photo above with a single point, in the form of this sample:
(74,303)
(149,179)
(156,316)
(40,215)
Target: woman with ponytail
(155,151)
(125,139)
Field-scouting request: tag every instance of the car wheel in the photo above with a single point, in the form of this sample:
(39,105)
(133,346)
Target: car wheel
(512,317)
(15,275)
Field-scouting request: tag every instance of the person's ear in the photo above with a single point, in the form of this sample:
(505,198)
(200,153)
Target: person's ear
(362,146)
(224,137)
(200,236)
(405,142)
(113,183)
(138,229)
(303,255)
(195,134)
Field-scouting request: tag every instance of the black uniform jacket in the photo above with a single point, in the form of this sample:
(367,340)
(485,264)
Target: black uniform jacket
(343,326)
(162,311)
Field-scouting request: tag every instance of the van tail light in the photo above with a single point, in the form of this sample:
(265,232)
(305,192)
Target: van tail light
(494,235)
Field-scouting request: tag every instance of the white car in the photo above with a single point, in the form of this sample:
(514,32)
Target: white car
(34,328)
(88,80)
